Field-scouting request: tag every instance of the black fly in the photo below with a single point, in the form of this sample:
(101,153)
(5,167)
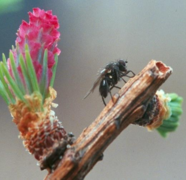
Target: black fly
(109,77)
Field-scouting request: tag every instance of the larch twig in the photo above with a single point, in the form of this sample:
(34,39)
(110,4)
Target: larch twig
(126,107)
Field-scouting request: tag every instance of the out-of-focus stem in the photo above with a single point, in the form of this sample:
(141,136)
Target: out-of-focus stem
(125,108)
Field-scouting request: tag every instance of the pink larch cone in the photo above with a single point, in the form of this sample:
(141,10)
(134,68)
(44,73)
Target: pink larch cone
(39,34)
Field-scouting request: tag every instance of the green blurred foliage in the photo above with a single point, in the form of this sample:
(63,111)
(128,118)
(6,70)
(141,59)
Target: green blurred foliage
(10,5)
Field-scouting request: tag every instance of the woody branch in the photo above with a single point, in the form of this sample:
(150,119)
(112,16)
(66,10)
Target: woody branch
(126,107)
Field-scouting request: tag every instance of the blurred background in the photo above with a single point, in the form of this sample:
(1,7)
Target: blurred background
(94,33)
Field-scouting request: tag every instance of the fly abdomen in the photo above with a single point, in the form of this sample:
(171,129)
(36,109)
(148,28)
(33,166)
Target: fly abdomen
(104,88)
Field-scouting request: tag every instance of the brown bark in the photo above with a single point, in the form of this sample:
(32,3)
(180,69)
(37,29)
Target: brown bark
(126,107)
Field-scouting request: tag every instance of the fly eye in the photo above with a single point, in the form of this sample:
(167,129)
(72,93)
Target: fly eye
(123,67)
(123,63)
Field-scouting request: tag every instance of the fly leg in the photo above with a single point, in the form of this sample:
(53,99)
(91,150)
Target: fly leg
(111,93)
(123,79)
(133,74)
(115,87)
(126,74)
(103,100)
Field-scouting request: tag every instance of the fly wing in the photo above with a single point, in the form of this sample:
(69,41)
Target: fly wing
(97,82)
